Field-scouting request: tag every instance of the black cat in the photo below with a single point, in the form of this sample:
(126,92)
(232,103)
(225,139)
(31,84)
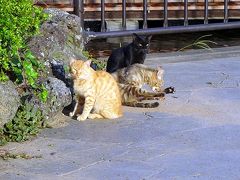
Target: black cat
(132,53)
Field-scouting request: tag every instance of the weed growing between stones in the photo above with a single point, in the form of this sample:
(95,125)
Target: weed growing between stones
(200,43)
(27,122)
(5,155)
(99,64)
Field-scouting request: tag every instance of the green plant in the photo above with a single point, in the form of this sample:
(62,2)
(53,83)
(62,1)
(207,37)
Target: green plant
(100,64)
(19,20)
(27,122)
(7,155)
(200,43)
(43,95)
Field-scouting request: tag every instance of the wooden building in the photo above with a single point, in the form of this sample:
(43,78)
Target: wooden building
(134,9)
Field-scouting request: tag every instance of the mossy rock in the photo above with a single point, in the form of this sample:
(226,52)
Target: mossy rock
(60,39)
(10,101)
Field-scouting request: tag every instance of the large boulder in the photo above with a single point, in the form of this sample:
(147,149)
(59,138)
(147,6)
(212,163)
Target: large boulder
(9,102)
(59,96)
(60,39)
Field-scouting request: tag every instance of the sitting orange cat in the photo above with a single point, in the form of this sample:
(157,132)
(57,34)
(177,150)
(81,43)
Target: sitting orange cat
(97,91)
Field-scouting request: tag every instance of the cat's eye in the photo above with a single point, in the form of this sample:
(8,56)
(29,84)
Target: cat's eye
(140,45)
(147,45)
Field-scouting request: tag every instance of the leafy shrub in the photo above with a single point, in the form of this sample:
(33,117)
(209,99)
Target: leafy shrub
(28,121)
(19,20)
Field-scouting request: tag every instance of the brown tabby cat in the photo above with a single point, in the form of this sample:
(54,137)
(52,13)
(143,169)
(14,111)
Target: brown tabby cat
(133,77)
(97,91)
(133,95)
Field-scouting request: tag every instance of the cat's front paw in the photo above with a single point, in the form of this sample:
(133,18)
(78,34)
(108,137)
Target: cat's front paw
(169,90)
(71,114)
(81,118)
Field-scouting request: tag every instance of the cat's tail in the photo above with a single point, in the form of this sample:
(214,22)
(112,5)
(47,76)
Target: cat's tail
(141,104)
(134,91)
(169,90)
(132,96)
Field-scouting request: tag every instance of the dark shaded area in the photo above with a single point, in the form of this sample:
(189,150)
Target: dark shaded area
(167,43)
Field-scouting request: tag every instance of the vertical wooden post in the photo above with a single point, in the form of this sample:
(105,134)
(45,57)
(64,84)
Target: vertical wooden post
(206,12)
(185,12)
(225,11)
(165,22)
(103,29)
(124,15)
(76,7)
(144,14)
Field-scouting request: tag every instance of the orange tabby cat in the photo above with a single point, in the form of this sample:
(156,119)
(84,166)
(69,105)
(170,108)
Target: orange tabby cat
(96,90)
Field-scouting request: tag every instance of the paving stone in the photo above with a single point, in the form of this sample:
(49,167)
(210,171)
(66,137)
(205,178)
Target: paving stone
(193,134)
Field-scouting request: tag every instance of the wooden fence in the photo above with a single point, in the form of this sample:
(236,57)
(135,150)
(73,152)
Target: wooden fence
(134,8)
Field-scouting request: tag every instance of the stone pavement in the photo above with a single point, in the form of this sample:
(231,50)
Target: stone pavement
(193,134)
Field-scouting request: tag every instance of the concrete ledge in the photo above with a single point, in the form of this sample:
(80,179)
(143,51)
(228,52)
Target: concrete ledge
(194,55)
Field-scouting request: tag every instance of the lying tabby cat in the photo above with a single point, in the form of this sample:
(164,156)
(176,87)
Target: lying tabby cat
(132,78)
(133,95)
(96,91)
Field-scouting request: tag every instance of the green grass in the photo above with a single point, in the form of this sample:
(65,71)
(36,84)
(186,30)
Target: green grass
(200,43)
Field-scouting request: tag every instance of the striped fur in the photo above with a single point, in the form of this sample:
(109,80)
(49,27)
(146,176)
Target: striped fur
(97,91)
(132,78)
(133,95)
(139,74)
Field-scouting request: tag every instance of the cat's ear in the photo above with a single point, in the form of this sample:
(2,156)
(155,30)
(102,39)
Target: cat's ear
(72,60)
(135,36)
(149,37)
(88,63)
(160,72)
